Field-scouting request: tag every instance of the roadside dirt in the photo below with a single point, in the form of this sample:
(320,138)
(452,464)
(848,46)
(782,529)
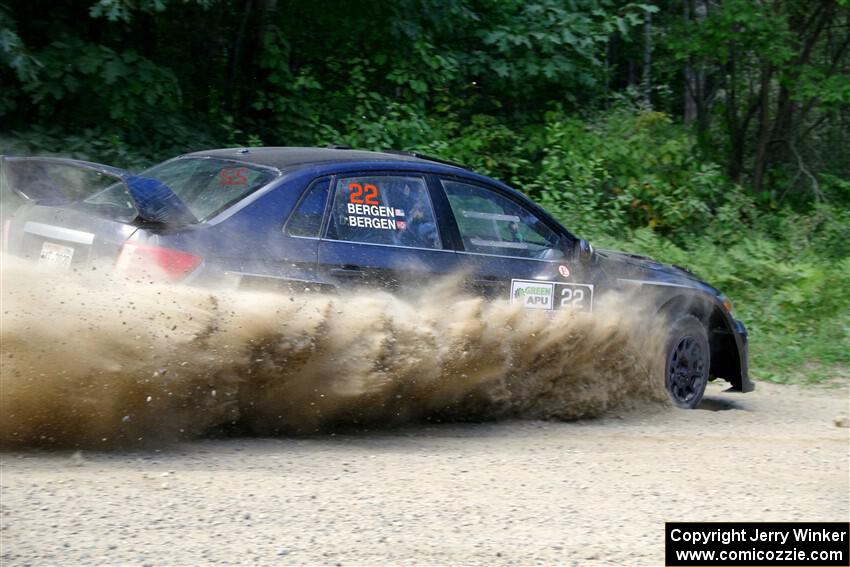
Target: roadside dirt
(502,493)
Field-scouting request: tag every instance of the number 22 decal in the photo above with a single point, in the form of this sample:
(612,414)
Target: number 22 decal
(233,176)
(575,296)
(572,297)
(357,194)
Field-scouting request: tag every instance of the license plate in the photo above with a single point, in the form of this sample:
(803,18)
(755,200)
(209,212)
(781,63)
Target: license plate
(56,255)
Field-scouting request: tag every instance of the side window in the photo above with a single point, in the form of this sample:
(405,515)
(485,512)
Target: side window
(492,224)
(384,209)
(306,220)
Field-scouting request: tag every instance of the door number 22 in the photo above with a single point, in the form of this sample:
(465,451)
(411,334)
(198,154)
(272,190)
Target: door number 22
(357,194)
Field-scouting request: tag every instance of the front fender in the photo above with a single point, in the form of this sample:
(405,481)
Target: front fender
(727,336)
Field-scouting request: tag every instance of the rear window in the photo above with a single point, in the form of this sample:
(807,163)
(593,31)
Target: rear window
(205,185)
(58,183)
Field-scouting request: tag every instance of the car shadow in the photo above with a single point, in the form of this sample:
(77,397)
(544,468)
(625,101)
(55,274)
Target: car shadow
(718,404)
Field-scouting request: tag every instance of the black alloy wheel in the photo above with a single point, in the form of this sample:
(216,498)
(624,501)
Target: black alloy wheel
(688,360)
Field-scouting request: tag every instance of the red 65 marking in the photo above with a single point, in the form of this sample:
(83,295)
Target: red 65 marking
(233,176)
(363,194)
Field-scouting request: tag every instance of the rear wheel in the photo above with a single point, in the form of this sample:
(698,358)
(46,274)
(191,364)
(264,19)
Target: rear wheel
(687,361)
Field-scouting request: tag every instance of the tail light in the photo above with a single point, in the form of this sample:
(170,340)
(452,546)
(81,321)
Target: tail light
(156,262)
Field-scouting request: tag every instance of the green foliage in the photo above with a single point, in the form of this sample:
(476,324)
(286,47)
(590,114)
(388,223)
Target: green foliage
(735,27)
(168,137)
(122,10)
(550,44)
(485,144)
(15,61)
(97,80)
(775,87)
(625,170)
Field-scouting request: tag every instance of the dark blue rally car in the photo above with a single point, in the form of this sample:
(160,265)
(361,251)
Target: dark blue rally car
(331,219)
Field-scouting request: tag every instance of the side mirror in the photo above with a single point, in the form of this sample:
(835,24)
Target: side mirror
(582,250)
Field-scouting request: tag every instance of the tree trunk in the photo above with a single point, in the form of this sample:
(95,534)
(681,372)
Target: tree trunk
(736,136)
(761,160)
(254,28)
(646,83)
(690,108)
(697,103)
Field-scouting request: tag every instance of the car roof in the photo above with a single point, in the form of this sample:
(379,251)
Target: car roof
(288,158)
(322,161)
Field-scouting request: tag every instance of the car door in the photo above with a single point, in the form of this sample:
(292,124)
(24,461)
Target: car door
(509,251)
(382,232)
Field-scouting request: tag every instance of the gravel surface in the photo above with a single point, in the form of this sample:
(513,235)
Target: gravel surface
(507,493)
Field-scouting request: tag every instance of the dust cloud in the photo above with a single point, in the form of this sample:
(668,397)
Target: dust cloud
(89,361)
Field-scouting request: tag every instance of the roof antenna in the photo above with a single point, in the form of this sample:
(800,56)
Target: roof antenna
(243,151)
(339,147)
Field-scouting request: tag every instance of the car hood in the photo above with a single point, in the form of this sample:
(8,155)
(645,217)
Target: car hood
(633,264)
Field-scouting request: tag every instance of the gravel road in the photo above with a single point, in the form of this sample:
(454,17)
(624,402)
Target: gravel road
(506,493)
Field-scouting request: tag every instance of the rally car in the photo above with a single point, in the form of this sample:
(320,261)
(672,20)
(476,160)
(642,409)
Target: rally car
(335,218)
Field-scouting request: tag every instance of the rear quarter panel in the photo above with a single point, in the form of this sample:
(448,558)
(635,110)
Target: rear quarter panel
(248,239)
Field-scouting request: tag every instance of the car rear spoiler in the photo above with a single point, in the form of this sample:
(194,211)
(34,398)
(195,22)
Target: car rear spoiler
(154,201)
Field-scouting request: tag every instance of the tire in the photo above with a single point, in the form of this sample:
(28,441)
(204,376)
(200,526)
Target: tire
(687,360)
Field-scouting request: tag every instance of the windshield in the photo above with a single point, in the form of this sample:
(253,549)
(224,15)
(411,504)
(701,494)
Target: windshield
(206,186)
